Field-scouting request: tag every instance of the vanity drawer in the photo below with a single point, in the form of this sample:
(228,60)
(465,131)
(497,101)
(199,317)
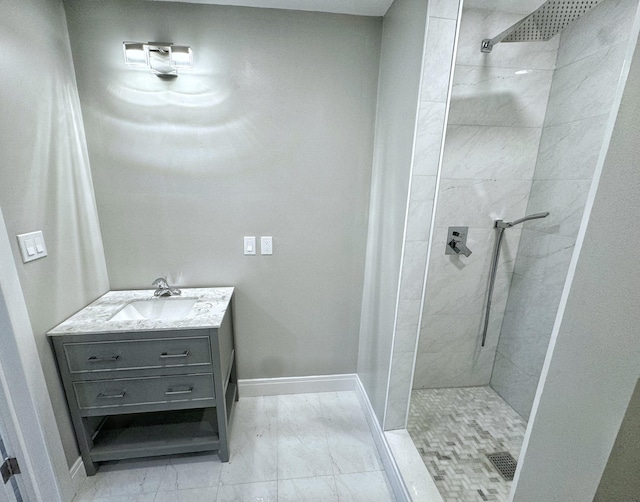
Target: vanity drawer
(91,357)
(128,392)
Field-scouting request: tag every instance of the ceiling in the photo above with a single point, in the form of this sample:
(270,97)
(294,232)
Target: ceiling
(363,7)
(356,7)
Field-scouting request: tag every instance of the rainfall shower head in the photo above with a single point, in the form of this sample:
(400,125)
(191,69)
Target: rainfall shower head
(509,224)
(543,23)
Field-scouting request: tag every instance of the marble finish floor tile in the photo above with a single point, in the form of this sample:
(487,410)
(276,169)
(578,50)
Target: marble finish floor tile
(453,429)
(191,495)
(253,442)
(363,487)
(302,447)
(249,492)
(318,489)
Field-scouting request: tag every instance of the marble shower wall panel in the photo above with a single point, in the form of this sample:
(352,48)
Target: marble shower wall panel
(574,145)
(449,351)
(609,26)
(492,138)
(495,96)
(458,286)
(506,153)
(453,369)
(582,89)
(428,138)
(445,9)
(478,202)
(421,198)
(564,199)
(439,47)
(437,65)
(508,379)
(589,61)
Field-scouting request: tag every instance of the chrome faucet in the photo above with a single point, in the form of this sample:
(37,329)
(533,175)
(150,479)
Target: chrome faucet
(163,288)
(459,247)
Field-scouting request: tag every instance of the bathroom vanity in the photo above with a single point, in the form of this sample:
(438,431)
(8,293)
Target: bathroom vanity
(147,376)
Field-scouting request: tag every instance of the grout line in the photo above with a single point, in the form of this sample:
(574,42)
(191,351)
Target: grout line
(550,70)
(590,117)
(501,126)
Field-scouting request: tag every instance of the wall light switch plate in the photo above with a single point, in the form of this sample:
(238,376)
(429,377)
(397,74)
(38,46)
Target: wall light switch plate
(249,245)
(266,244)
(32,246)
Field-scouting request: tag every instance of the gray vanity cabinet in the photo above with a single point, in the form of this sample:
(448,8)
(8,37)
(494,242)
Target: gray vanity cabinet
(145,393)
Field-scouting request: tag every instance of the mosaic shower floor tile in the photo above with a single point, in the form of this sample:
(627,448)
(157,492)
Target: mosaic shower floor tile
(454,429)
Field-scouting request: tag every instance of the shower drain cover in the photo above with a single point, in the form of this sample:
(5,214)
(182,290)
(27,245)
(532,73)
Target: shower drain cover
(504,463)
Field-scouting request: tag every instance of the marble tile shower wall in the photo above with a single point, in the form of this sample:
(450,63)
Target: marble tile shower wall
(437,64)
(495,123)
(589,62)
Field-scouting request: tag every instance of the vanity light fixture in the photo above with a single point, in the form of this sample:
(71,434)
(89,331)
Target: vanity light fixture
(164,59)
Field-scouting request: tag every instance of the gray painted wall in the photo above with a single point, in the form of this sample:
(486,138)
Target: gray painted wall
(580,102)
(45,179)
(270,134)
(400,65)
(595,350)
(620,480)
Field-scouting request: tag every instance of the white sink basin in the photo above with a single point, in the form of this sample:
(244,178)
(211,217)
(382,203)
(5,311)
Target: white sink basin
(156,309)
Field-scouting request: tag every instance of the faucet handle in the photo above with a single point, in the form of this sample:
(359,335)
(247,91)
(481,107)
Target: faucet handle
(459,247)
(457,241)
(161,282)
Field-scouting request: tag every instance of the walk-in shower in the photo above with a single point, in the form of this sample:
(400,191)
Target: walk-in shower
(524,128)
(500,226)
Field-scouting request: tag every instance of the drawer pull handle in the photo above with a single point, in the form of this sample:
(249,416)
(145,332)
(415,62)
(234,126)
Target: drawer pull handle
(102,395)
(166,355)
(94,359)
(173,391)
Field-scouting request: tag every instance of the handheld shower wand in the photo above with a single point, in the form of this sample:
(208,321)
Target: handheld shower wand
(501,225)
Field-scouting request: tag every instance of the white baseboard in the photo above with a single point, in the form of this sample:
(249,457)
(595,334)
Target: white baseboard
(78,474)
(388,461)
(296,385)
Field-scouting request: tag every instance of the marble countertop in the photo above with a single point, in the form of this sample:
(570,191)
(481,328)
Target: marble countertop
(208,312)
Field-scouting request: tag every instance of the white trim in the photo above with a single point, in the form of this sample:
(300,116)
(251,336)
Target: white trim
(416,477)
(14,444)
(577,249)
(406,221)
(78,474)
(36,435)
(391,468)
(296,385)
(434,209)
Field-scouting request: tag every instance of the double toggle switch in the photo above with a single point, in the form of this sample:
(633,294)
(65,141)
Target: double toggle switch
(32,246)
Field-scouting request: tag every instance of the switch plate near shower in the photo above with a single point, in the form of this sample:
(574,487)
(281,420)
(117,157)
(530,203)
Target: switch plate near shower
(457,233)
(32,246)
